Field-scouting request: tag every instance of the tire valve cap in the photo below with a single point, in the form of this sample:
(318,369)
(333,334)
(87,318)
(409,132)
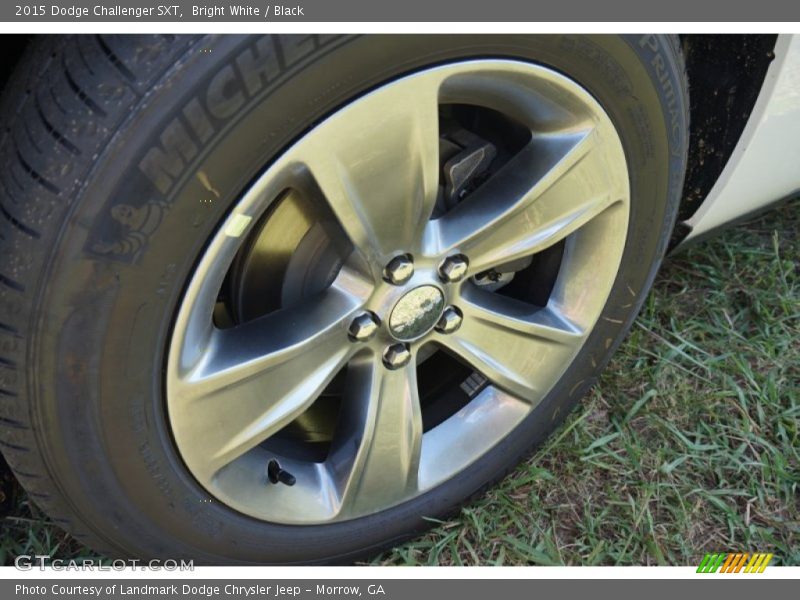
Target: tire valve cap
(276,474)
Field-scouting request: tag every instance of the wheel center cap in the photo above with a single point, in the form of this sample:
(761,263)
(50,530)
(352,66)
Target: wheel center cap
(416,312)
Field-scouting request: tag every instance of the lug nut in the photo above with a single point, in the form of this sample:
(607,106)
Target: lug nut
(450,320)
(363,327)
(396,356)
(453,268)
(399,270)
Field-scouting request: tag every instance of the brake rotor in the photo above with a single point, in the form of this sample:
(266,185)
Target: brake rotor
(289,257)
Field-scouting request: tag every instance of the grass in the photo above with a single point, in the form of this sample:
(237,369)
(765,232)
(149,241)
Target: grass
(688,445)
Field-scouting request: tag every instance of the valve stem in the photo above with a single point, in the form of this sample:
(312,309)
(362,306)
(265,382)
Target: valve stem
(276,474)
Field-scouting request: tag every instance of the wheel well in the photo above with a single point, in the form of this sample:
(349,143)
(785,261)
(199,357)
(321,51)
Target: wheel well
(725,75)
(13,47)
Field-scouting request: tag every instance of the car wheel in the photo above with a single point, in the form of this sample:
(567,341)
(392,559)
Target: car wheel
(282,299)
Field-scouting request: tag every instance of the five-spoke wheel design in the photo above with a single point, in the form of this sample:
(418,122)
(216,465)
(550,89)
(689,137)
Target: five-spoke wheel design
(385,277)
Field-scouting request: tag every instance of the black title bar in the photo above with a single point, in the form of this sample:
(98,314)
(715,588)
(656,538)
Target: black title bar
(440,11)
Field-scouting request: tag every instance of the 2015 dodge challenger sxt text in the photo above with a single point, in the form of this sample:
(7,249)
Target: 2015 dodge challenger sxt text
(284,298)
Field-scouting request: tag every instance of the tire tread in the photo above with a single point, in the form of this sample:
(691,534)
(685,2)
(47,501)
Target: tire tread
(65,101)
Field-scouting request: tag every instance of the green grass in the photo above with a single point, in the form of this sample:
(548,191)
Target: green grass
(688,445)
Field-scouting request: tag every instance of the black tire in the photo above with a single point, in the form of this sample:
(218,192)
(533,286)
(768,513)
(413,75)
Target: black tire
(86,305)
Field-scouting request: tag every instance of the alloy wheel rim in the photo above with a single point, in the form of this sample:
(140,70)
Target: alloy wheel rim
(376,164)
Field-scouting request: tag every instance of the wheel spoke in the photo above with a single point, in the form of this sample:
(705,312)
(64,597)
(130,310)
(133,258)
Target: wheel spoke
(517,346)
(376,164)
(255,378)
(376,456)
(552,187)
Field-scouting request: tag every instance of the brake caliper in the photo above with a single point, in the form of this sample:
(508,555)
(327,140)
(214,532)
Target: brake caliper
(467,160)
